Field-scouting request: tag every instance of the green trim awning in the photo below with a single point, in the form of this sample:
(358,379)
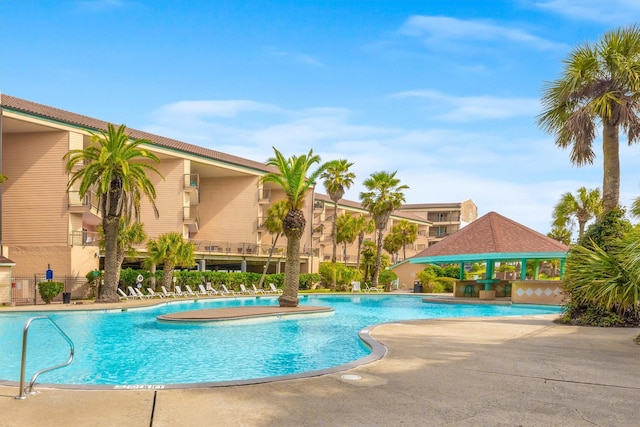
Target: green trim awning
(482,257)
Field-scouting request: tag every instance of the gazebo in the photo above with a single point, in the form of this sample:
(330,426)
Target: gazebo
(494,238)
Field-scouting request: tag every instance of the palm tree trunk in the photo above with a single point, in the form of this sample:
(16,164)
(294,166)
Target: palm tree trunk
(611,167)
(266,267)
(289,297)
(167,275)
(108,291)
(376,268)
(334,234)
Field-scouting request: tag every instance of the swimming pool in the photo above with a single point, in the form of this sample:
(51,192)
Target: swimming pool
(132,348)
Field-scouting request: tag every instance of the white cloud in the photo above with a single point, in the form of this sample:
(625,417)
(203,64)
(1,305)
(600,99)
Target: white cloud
(520,176)
(297,57)
(468,108)
(434,30)
(611,11)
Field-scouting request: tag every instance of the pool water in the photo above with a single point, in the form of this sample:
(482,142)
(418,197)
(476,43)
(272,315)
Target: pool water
(133,348)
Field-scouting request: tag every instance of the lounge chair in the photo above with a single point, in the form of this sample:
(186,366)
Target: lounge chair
(179,292)
(153,294)
(244,290)
(226,291)
(210,289)
(372,289)
(140,294)
(189,292)
(202,291)
(132,293)
(166,293)
(355,287)
(274,290)
(123,296)
(256,290)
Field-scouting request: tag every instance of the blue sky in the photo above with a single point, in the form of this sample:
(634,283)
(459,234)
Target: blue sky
(444,92)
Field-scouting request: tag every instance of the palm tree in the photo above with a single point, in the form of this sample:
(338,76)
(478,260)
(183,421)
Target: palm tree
(273,224)
(112,166)
(561,234)
(584,207)
(295,178)
(405,233)
(600,84)
(346,232)
(171,250)
(384,196)
(130,234)
(363,226)
(337,179)
(392,244)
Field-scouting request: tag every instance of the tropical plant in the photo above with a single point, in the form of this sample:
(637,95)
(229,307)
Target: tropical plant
(115,167)
(337,277)
(362,226)
(337,179)
(405,233)
(609,228)
(384,195)
(561,234)
(49,290)
(171,250)
(130,234)
(386,278)
(600,84)
(392,244)
(273,224)
(346,232)
(584,206)
(368,261)
(607,281)
(295,178)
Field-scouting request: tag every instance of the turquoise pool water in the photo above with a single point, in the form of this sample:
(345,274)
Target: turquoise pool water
(133,348)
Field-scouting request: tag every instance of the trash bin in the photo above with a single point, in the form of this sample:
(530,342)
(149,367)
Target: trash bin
(66,297)
(417,287)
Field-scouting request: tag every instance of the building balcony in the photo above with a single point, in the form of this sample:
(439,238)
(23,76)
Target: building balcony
(191,217)
(264,196)
(84,238)
(86,204)
(191,185)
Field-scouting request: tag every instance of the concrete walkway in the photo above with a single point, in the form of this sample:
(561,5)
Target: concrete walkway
(524,371)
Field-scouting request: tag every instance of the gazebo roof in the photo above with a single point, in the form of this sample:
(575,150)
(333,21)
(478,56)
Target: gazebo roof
(492,237)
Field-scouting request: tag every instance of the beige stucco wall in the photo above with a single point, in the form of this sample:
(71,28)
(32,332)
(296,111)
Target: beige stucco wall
(229,209)
(407,274)
(169,199)
(34,198)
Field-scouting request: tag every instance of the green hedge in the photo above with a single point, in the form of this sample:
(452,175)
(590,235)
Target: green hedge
(50,290)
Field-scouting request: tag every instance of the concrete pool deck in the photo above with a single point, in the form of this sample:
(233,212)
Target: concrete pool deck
(520,371)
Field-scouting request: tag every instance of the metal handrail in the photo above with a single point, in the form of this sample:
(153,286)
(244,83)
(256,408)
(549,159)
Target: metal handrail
(23,365)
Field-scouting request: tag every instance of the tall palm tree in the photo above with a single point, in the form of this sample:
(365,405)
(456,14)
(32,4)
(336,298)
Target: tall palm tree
(561,234)
(130,234)
(273,224)
(337,179)
(600,84)
(364,226)
(171,250)
(583,207)
(384,195)
(295,178)
(115,167)
(392,244)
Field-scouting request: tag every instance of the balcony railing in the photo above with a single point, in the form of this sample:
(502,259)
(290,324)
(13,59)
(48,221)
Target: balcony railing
(226,248)
(191,217)
(84,238)
(89,201)
(264,196)
(192,186)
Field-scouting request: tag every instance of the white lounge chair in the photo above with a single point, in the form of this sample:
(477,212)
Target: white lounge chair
(132,293)
(256,290)
(202,291)
(153,294)
(179,292)
(274,290)
(355,287)
(166,293)
(210,290)
(141,295)
(244,290)
(189,292)
(123,296)
(226,291)
(372,289)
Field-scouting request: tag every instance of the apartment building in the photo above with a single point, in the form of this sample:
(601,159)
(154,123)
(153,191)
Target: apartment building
(446,218)
(215,200)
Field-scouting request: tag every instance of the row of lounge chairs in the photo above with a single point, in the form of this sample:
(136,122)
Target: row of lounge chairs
(203,291)
(356,287)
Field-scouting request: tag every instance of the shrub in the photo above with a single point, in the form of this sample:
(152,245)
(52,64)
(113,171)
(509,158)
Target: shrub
(339,274)
(453,271)
(49,290)
(385,278)
(307,280)
(607,229)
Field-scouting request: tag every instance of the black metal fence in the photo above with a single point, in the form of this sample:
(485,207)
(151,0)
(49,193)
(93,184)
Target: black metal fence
(24,290)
